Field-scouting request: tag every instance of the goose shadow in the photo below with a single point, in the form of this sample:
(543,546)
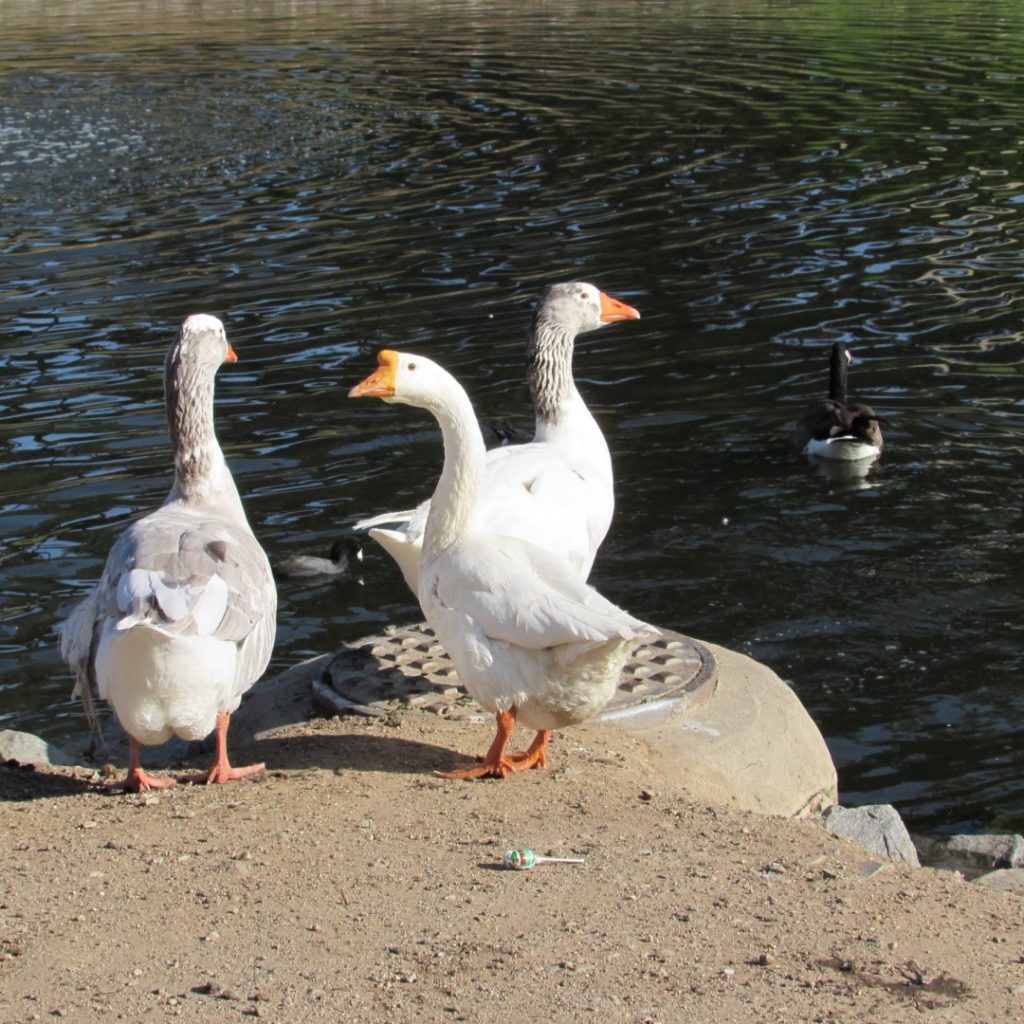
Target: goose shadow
(287,701)
(364,752)
(22,782)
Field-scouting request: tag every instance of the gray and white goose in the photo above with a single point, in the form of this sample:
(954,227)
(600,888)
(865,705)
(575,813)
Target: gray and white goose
(834,428)
(183,618)
(557,491)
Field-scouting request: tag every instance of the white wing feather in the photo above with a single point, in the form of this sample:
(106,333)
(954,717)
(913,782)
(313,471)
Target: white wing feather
(518,593)
(531,492)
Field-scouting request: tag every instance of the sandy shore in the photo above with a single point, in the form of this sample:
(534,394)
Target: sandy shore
(349,884)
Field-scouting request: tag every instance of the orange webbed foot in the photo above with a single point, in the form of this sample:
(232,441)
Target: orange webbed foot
(220,773)
(138,781)
(499,765)
(495,764)
(535,756)
(221,770)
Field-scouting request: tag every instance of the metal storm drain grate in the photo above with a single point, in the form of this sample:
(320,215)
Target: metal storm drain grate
(406,667)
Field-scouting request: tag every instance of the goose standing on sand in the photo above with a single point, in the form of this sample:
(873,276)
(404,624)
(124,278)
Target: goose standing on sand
(833,428)
(182,620)
(530,640)
(557,490)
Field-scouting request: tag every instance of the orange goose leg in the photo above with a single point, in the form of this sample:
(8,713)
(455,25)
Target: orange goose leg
(496,763)
(221,770)
(137,780)
(535,755)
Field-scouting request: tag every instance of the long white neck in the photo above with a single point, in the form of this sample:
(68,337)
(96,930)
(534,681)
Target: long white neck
(462,476)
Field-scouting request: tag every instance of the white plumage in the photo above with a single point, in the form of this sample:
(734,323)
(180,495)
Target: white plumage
(528,637)
(556,491)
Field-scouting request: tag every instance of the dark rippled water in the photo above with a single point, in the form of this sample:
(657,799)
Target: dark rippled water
(760,180)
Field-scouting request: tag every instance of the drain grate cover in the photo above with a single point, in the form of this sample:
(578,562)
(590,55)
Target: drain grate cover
(406,667)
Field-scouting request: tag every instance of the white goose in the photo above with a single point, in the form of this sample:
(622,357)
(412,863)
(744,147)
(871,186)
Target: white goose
(557,491)
(529,639)
(834,428)
(182,620)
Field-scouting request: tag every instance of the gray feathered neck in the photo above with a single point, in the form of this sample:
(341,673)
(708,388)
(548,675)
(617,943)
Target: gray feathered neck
(549,360)
(188,395)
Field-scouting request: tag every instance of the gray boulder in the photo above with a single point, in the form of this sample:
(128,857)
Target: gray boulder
(1003,880)
(877,827)
(27,748)
(973,853)
(988,851)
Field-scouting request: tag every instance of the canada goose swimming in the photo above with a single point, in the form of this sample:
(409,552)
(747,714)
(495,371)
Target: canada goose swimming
(833,428)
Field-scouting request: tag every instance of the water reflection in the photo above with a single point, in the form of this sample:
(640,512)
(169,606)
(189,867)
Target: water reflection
(849,475)
(331,179)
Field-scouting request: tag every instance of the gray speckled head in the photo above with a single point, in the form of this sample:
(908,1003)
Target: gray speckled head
(192,362)
(565,310)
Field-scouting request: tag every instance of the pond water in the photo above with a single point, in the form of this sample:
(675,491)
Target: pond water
(760,180)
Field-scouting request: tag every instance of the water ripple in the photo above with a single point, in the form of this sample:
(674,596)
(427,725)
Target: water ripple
(758,188)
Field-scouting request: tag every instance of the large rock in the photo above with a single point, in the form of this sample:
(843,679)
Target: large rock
(750,744)
(988,851)
(972,853)
(877,827)
(27,748)
(724,727)
(1004,880)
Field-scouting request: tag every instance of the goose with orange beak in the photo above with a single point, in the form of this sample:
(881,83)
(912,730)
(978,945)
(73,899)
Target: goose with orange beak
(183,618)
(530,640)
(557,490)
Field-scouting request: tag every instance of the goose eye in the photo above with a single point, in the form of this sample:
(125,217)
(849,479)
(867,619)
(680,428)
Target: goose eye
(411,366)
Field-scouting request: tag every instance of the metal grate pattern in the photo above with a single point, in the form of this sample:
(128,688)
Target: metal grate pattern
(406,667)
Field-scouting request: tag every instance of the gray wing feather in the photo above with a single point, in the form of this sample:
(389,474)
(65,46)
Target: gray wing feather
(192,574)
(77,648)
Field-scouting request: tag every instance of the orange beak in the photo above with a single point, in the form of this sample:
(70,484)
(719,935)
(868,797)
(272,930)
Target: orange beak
(380,383)
(232,355)
(612,310)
